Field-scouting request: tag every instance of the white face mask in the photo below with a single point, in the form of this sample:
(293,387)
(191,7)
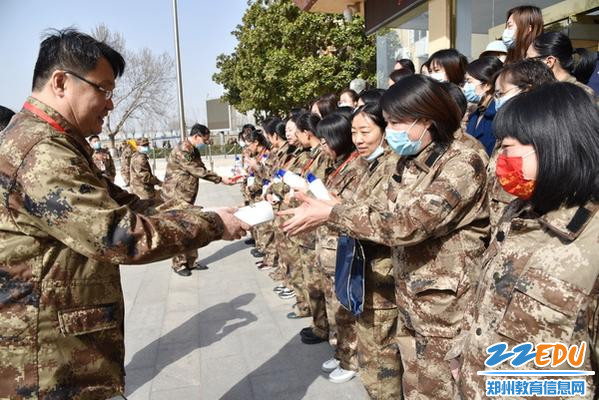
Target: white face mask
(438,76)
(508,37)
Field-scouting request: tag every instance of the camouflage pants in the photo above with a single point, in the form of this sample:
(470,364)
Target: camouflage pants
(342,323)
(313,277)
(186,259)
(426,373)
(282,271)
(289,254)
(378,355)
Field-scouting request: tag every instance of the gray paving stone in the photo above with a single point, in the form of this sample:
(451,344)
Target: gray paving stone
(221,333)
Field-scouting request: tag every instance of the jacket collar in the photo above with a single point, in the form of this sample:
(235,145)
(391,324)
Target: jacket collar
(69,129)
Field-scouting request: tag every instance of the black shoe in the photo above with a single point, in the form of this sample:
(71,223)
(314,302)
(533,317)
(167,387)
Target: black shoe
(305,330)
(198,266)
(257,253)
(250,242)
(310,338)
(183,272)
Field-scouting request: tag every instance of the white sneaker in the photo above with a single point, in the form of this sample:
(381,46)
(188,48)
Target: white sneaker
(330,365)
(340,375)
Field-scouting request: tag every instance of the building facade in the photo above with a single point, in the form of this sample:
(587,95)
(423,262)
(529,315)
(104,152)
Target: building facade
(415,29)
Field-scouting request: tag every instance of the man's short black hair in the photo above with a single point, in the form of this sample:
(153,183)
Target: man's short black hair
(199,129)
(72,50)
(92,137)
(5,116)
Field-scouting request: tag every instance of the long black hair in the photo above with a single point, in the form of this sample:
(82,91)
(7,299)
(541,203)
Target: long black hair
(335,129)
(562,124)
(558,45)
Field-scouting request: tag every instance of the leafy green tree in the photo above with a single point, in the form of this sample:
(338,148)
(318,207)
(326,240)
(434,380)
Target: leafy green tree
(286,57)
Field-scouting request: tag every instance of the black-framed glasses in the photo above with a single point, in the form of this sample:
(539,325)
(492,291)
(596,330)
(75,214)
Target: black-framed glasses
(498,94)
(107,93)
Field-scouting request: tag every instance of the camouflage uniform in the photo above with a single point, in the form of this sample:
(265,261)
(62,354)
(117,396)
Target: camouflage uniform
(183,169)
(342,180)
(289,252)
(126,154)
(262,233)
(539,284)
(65,229)
(436,220)
(105,163)
(378,356)
(498,198)
(274,162)
(142,180)
(312,275)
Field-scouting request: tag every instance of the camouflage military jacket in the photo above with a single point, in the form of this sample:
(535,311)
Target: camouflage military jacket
(539,284)
(262,172)
(316,165)
(142,180)
(435,217)
(126,163)
(342,180)
(379,282)
(183,169)
(105,163)
(294,163)
(64,229)
(498,198)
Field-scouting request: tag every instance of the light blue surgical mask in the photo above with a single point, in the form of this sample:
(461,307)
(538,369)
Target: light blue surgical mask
(200,146)
(97,145)
(144,149)
(508,38)
(470,92)
(400,142)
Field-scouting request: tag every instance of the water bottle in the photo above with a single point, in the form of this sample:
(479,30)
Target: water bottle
(293,180)
(251,179)
(237,165)
(317,187)
(265,186)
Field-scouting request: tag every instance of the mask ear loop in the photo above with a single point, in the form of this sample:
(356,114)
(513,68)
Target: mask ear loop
(423,131)
(529,153)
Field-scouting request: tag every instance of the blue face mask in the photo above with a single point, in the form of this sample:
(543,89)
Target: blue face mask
(500,102)
(97,145)
(400,142)
(200,146)
(470,93)
(144,149)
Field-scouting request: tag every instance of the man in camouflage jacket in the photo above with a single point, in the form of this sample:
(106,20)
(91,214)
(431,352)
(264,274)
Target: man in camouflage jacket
(142,179)
(183,169)
(102,158)
(64,230)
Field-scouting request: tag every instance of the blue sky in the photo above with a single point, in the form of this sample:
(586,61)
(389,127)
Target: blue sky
(204,32)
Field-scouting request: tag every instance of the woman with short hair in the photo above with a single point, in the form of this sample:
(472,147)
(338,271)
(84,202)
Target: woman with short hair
(539,282)
(433,216)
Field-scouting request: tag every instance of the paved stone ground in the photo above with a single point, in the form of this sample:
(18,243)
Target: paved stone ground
(221,333)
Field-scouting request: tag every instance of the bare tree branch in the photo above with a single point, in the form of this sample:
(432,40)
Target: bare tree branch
(145,92)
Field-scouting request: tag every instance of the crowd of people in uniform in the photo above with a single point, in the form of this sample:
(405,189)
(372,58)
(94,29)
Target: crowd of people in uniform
(470,188)
(468,193)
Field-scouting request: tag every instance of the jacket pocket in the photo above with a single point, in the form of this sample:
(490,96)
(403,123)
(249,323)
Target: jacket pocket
(542,309)
(436,297)
(80,321)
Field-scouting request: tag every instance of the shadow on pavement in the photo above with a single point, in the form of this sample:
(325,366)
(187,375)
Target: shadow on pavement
(226,251)
(286,375)
(212,317)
